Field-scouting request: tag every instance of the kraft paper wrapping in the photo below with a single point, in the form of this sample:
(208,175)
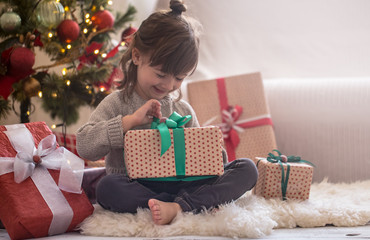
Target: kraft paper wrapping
(269,180)
(244,90)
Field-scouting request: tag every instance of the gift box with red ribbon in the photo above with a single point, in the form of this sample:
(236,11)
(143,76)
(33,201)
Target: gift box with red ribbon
(284,177)
(40,183)
(236,104)
(169,152)
(69,141)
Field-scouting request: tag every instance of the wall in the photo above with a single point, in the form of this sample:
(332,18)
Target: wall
(279,38)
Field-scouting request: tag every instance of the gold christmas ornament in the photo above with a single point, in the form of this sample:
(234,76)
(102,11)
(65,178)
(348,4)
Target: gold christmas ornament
(31,87)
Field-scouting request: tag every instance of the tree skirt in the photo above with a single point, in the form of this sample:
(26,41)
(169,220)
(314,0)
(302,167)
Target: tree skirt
(342,205)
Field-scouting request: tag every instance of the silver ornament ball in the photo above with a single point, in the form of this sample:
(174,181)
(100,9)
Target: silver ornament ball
(10,21)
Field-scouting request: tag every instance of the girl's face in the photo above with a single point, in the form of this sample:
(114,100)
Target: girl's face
(152,83)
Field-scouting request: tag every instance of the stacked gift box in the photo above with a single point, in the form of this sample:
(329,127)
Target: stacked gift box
(237,104)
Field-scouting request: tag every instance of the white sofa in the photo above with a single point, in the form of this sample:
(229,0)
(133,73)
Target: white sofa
(325,121)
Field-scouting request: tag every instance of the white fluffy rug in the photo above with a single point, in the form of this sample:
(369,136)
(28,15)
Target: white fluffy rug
(248,217)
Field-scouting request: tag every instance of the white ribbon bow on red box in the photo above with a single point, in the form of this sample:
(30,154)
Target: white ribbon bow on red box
(33,162)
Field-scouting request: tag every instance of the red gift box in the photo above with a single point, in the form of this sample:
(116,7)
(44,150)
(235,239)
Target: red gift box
(37,206)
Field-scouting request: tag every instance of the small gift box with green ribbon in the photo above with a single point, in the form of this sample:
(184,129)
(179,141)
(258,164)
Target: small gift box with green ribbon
(170,152)
(285,177)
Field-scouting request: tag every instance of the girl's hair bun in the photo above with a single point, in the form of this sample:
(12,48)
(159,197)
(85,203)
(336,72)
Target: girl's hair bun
(177,6)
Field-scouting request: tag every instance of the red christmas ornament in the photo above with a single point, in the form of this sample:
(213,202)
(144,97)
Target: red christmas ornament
(103,19)
(6,88)
(18,63)
(127,35)
(21,62)
(68,31)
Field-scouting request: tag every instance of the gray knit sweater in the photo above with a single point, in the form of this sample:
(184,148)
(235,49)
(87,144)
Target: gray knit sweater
(103,134)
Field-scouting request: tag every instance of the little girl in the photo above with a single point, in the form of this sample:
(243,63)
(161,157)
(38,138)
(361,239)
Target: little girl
(161,54)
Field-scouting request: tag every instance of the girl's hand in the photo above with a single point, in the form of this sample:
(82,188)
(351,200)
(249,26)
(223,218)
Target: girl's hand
(143,115)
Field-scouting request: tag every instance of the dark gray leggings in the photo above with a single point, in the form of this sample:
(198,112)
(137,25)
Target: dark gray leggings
(120,194)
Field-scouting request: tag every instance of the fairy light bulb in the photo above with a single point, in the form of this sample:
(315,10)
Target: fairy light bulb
(50,34)
(62,50)
(110,2)
(54,95)
(68,82)
(87,15)
(102,89)
(53,126)
(85,30)
(64,71)
(39,94)
(123,44)
(69,46)
(104,55)
(96,51)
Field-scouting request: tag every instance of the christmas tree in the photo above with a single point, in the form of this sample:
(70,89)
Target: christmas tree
(74,34)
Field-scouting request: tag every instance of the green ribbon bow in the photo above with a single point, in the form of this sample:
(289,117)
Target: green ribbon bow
(281,159)
(175,121)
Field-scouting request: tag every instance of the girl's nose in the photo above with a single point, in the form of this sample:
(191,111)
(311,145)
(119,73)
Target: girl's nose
(169,83)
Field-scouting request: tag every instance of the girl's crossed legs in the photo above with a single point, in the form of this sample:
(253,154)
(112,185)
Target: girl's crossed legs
(165,198)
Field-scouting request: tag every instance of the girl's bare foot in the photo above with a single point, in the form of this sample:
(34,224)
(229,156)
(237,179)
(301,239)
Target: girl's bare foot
(163,212)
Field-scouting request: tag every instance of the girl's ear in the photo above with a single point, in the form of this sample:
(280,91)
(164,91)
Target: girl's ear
(136,56)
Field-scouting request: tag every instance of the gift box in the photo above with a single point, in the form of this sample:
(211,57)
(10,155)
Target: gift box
(40,183)
(69,141)
(283,177)
(236,104)
(190,153)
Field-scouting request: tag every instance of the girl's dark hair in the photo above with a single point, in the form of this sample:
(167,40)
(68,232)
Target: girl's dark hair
(170,39)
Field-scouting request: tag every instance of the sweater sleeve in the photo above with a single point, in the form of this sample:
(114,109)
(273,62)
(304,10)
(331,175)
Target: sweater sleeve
(103,131)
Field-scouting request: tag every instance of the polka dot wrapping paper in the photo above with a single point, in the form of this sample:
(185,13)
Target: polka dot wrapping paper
(203,153)
(269,183)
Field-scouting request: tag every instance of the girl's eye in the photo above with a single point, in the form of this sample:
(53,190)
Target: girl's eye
(160,75)
(179,79)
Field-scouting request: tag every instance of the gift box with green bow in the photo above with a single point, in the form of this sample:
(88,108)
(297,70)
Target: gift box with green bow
(284,177)
(171,152)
